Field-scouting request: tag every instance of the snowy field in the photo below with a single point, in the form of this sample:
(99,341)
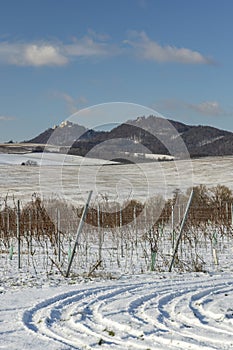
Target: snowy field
(147,311)
(71,177)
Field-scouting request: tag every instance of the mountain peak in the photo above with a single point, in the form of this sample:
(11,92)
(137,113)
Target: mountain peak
(66,123)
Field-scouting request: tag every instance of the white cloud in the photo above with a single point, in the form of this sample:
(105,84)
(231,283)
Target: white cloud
(55,53)
(6,118)
(211,108)
(31,54)
(148,49)
(87,47)
(40,55)
(92,45)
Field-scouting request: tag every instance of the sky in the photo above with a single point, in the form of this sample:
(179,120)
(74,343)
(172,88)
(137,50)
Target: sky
(58,57)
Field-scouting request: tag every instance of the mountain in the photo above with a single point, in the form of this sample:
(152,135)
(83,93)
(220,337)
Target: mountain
(200,140)
(64,134)
(138,137)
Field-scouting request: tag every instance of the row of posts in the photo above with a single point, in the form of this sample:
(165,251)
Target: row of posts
(100,236)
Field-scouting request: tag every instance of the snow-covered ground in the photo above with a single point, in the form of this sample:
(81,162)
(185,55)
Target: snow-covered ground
(150,311)
(48,159)
(156,310)
(72,177)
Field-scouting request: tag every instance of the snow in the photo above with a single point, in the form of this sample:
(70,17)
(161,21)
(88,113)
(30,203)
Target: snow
(208,141)
(43,159)
(119,182)
(151,310)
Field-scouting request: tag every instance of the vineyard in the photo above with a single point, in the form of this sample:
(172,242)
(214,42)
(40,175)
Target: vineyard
(38,237)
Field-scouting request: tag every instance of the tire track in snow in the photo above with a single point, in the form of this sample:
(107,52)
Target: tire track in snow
(163,314)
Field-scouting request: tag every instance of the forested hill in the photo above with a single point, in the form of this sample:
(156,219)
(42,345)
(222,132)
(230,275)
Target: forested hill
(200,140)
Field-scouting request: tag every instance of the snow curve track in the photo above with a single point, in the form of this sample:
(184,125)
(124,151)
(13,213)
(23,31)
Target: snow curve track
(178,313)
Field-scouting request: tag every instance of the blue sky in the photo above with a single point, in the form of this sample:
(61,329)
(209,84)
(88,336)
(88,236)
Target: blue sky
(60,56)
